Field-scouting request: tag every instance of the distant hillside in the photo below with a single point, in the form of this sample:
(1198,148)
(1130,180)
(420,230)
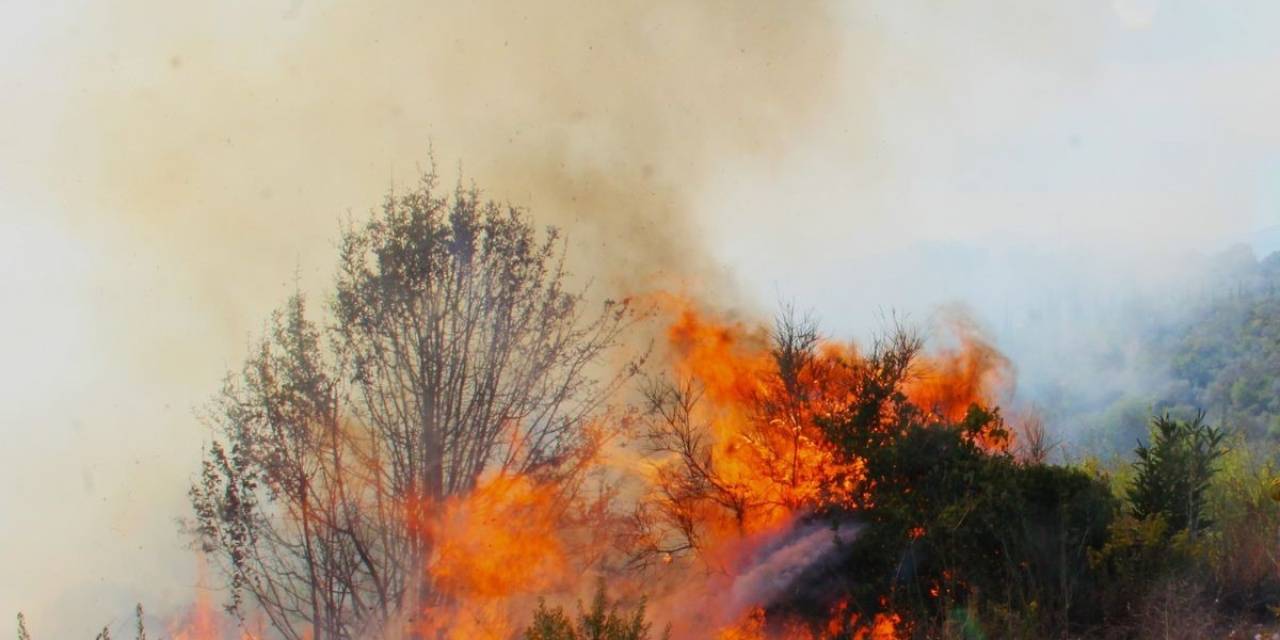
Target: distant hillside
(1224,357)
(1212,345)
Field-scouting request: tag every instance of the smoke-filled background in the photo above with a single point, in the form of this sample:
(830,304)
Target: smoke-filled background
(170,173)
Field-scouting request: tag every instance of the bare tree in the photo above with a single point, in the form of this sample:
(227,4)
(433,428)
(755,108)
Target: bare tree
(688,490)
(1035,444)
(455,349)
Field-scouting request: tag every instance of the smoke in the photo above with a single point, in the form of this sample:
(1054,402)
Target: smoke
(170,173)
(197,163)
(787,564)
(779,567)
(1068,172)
(234,132)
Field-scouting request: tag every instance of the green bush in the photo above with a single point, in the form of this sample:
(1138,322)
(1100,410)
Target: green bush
(1174,472)
(601,622)
(954,528)
(1241,546)
(1139,553)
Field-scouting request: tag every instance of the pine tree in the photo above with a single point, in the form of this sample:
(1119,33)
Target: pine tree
(1174,471)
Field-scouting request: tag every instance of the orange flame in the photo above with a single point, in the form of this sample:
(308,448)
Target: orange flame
(497,548)
(203,621)
(767,446)
(499,539)
(494,550)
(768,451)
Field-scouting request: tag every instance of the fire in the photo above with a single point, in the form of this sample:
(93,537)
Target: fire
(203,621)
(495,548)
(748,450)
(739,458)
(767,452)
(499,539)
(951,379)
(748,453)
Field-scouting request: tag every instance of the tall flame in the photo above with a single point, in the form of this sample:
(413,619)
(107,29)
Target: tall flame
(203,621)
(768,454)
(495,549)
(753,463)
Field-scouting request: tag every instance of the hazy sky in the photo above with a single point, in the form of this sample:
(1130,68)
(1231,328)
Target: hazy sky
(168,172)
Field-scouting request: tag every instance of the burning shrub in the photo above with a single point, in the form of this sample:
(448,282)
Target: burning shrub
(736,436)
(409,470)
(765,429)
(755,426)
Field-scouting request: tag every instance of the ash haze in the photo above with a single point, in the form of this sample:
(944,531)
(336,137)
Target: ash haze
(169,174)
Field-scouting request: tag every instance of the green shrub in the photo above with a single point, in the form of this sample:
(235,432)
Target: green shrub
(955,528)
(1173,473)
(1241,546)
(601,622)
(1139,553)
